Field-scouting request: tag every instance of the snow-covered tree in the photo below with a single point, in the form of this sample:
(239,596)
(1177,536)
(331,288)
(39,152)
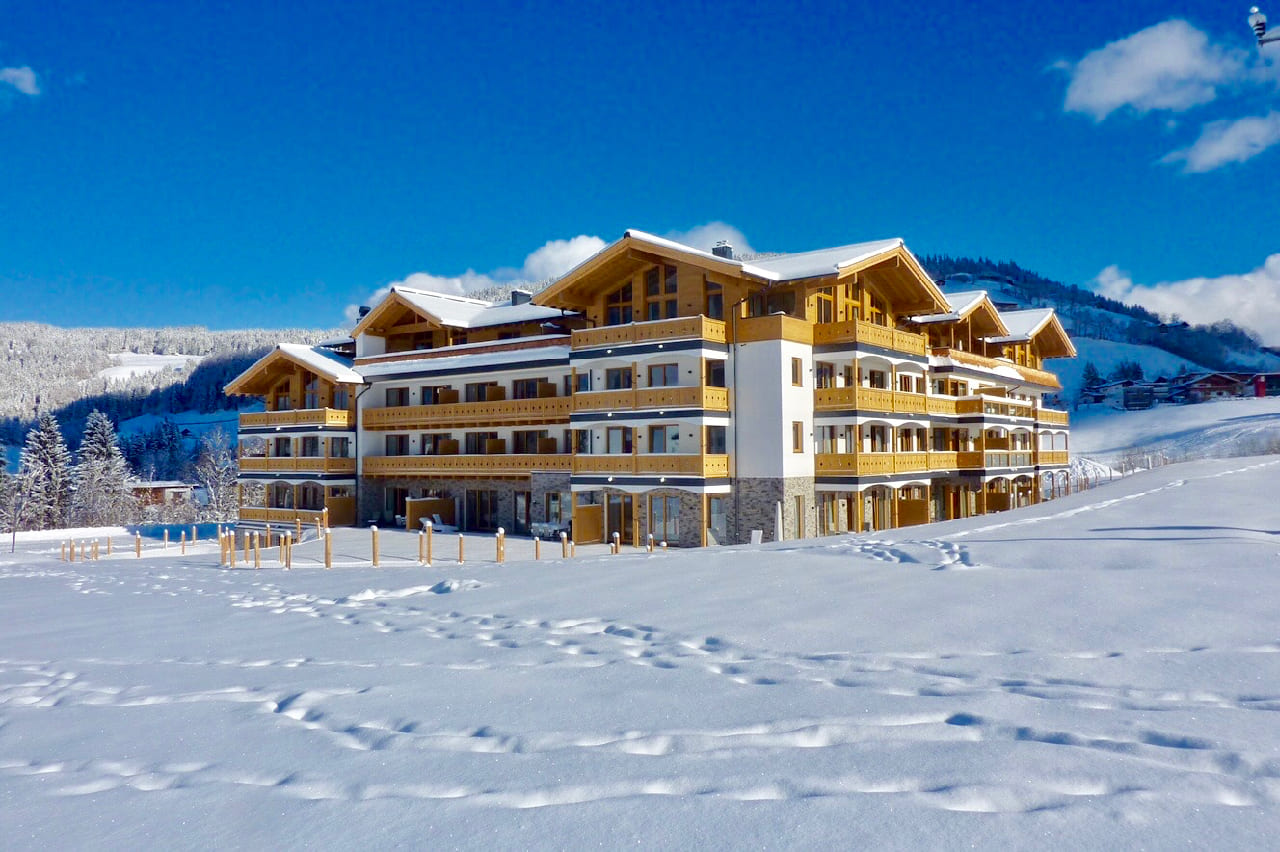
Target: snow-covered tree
(45,475)
(101,491)
(1091,378)
(13,505)
(216,471)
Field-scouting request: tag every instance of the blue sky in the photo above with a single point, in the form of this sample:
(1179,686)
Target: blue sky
(239,164)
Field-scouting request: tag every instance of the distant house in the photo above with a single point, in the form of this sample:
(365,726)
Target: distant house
(1128,394)
(1206,386)
(1263,384)
(158,492)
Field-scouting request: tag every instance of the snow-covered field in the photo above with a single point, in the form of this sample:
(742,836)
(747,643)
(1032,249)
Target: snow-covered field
(1220,428)
(126,365)
(1101,671)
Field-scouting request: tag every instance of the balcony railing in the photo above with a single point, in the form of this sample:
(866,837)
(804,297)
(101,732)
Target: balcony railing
(681,328)
(870,399)
(1052,417)
(660,464)
(506,464)
(716,399)
(280,516)
(879,464)
(327,417)
(460,414)
(996,406)
(870,334)
(1030,374)
(1052,457)
(298,464)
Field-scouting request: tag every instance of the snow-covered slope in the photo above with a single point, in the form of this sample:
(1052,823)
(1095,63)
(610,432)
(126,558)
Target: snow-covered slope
(1222,428)
(125,365)
(1106,355)
(1101,672)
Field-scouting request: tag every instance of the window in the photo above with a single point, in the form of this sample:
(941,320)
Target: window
(663,375)
(582,440)
(618,306)
(877,379)
(824,374)
(526,388)
(341,398)
(477,442)
(283,402)
(283,448)
(310,446)
(559,505)
(660,293)
(311,496)
(826,306)
(664,518)
(717,444)
(432,443)
(481,510)
(397,445)
(397,396)
(476,391)
(797,372)
(280,495)
(526,440)
(618,439)
(825,439)
(664,439)
(713,305)
(715,374)
(582,381)
(764,304)
(617,378)
(310,391)
(797,436)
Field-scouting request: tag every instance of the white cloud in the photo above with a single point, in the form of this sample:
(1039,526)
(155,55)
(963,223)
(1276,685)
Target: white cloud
(559,256)
(23,79)
(706,236)
(1249,300)
(1168,66)
(1229,141)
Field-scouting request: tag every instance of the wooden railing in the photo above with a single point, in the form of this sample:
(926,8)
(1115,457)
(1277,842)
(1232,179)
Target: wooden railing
(995,405)
(509,464)
(281,516)
(1052,417)
(716,399)
(1030,374)
(860,331)
(870,399)
(697,328)
(299,464)
(653,464)
(1054,457)
(328,417)
(870,464)
(774,327)
(536,410)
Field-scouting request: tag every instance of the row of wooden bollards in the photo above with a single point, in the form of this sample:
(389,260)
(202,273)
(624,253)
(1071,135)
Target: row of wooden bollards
(90,549)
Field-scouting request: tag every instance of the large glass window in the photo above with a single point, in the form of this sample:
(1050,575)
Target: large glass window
(397,445)
(716,443)
(660,285)
(526,440)
(717,519)
(714,303)
(618,306)
(526,388)
(310,446)
(311,391)
(482,509)
(477,442)
(664,518)
(617,378)
(663,375)
(618,439)
(283,448)
(715,374)
(664,439)
(397,396)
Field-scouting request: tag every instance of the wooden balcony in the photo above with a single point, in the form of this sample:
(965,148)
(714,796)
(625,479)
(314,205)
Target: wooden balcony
(509,464)
(870,399)
(329,418)
(680,328)
(870,464)
(1052,457)
(869,334)
(774,327)
(715,399)
(280,516)
(297,464)
(996,406)
(999,365)
(511,412)
(1052,417)
(653,464)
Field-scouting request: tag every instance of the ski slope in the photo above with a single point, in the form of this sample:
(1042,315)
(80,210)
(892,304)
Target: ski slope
(1216,429)
(1101,671)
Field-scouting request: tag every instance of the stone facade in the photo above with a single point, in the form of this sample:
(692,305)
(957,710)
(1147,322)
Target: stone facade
(757,501)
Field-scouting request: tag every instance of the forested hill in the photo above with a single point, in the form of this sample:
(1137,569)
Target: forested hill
(123,372)
(1222,345)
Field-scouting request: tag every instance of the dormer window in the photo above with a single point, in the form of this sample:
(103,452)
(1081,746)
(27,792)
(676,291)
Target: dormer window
(660,285)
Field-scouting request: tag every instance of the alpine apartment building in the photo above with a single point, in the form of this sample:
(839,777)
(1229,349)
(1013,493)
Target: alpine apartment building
(657,389)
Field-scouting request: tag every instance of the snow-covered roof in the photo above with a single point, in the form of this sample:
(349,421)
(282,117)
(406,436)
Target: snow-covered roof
(512,358)
(786,267)
(322,362)
(1022,325)
(960,303)
(462,312)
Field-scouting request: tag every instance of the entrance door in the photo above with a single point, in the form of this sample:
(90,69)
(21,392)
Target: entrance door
(521,522)
(619,518)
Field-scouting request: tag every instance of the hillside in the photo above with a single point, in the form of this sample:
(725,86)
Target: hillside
(1094,672)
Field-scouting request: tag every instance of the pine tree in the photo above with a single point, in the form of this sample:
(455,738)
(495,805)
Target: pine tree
(217,470)
(1091,378)
(45,475)
(102,493)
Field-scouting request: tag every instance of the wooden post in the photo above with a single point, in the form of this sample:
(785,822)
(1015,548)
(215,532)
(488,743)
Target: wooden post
(374,531)
(422,546)
(64,552)
(166,539)
(537,548)
(72,543)
(268,535)
(498,545)
(573,549)
(648,545)
(319,528)
(231,547)
(664,547)
(183,543)
(617,543)
(297,522)
(328,548)
(564,545)
(137,544)
(95,550)
(460,548)
(108,545)
(430,530)
(257,554)
(287,538)
(281,560)
(246,547)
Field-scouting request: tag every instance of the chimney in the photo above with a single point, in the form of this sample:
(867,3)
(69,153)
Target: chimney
(521,297)
(364,311)
(723,249)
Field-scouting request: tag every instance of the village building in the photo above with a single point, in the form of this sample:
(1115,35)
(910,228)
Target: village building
(660,390)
